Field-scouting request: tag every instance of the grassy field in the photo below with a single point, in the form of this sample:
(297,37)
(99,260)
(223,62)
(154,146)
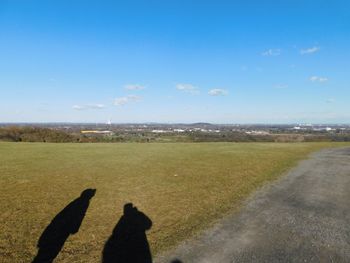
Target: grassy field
(182,187)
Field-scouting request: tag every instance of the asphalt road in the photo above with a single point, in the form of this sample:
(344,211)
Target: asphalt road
(303,217)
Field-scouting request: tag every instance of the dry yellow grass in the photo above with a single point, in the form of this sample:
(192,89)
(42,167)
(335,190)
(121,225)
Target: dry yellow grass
(182,187)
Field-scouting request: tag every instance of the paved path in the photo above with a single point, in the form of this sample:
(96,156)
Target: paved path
(304,217)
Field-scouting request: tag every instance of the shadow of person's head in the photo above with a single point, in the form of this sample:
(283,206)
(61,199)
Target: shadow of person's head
(129,209)
(137,220)
(88,193)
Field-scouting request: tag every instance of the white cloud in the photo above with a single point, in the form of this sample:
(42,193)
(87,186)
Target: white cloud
(127,99)
(78,107)
(309,50)
(330,100)
(217,92)
(318,79)
(96,106)
(271,52)
(134,87)
(89,107)
(188,88)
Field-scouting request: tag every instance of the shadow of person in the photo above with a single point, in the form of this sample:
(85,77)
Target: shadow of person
(65,223)
(128,242)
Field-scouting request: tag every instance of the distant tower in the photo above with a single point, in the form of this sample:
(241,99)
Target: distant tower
(109,123)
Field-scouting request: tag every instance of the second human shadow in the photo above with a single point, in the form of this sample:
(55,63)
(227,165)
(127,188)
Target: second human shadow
(128,242)
(67,222)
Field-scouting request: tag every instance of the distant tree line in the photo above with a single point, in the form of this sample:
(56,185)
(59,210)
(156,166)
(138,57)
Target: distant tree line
(229,137)
(39,134)
(35,134)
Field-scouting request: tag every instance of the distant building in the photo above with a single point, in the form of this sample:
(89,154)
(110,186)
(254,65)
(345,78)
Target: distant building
(179,130)
(158,131)
(96,132)
(257,132)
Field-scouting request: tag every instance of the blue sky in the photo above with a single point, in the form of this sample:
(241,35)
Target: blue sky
(175,61)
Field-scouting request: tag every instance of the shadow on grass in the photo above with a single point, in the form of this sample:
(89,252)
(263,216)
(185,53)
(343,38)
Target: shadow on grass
(65,223)
(128,242)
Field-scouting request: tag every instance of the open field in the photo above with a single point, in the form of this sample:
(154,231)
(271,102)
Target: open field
(181,187)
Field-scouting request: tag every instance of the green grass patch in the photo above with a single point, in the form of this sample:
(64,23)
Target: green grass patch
(39,179)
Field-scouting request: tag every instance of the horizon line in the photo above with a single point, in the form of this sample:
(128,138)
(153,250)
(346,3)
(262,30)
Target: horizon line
(172,123)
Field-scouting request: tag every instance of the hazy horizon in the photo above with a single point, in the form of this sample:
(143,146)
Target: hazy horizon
(170,123)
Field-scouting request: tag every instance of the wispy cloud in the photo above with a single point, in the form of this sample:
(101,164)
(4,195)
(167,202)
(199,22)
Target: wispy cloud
(281,86)
(134,87)
(125,100)
(330,100)
(78,107)
(271,52)
(318,79)
(310,50)
(188,88)
(217,92)
(89,107)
